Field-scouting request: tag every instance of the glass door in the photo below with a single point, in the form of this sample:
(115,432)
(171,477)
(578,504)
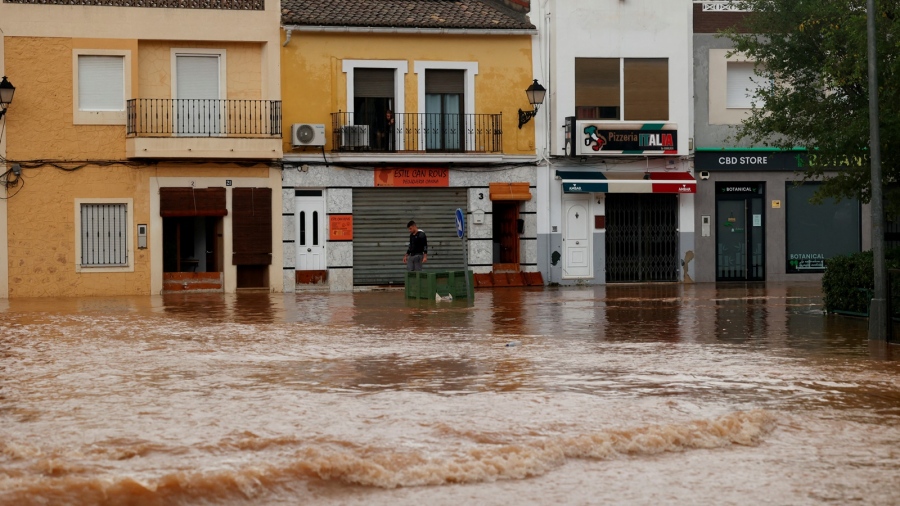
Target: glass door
(740,232)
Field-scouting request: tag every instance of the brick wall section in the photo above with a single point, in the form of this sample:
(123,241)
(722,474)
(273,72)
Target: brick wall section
(713,21)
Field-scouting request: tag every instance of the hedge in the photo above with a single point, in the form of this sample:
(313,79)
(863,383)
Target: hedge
(848,282)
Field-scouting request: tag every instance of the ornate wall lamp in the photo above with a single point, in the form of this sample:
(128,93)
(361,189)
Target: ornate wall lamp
(535,94)
(6,95)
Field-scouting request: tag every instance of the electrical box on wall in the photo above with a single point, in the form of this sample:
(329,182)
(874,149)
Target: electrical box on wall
(142,236)
(478,217)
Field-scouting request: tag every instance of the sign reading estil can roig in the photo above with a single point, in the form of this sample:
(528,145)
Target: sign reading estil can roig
(412,177)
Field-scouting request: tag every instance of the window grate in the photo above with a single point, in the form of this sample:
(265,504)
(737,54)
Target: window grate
(104,235)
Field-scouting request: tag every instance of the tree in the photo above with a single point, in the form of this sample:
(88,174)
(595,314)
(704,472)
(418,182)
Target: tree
(811,57)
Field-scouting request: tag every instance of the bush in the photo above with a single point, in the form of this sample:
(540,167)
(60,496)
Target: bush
(848,282)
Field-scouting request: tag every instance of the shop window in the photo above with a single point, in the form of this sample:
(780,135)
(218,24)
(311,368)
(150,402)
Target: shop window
(808,223)
(615,89)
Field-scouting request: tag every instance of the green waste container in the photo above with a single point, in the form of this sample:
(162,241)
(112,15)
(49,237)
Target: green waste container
(428,284)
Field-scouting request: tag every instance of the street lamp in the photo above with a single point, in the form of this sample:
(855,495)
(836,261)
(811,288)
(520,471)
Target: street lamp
(6,95)
(535,93)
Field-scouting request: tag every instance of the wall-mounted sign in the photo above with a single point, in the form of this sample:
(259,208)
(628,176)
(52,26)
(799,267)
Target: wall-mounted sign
(727,188)
(340,227)
(412,177)
(750,160)
(592,138)
(585,187)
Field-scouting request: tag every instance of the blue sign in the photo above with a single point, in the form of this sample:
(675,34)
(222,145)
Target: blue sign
(460,223)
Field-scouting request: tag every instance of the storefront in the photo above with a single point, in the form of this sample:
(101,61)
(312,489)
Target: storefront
(625,203)
(757,220)
(348,225)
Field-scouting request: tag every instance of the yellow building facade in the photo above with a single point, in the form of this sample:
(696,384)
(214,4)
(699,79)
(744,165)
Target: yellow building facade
(387,122)
(137,139)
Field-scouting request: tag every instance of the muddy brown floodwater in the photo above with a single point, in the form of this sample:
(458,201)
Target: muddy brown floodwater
(628,394)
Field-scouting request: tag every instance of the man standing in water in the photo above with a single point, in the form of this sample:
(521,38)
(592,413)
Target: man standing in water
(417,251)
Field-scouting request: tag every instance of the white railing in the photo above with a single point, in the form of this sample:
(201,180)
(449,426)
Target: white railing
(724,6)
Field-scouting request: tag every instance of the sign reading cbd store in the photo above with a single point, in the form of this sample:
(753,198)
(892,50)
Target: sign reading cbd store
(592,138)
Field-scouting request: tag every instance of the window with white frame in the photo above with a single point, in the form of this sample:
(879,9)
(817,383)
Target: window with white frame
(622,89)
(446,91)
(742,85)
(375,105)
(101,85)
(102,235)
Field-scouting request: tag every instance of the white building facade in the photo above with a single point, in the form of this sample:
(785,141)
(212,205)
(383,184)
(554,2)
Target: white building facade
(615,135)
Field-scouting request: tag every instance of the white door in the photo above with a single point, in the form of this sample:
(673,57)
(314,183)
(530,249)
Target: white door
(198,110)
(310,233)
(577,257)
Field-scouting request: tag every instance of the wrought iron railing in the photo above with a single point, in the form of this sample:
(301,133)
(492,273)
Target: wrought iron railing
(417,132)
(722,6)
(188,117)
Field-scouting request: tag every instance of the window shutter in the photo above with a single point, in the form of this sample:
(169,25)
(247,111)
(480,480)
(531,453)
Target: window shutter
(179,202)
(197,76)
(376,83)
(741,87)
(445,81)
(101,83)
(252,226)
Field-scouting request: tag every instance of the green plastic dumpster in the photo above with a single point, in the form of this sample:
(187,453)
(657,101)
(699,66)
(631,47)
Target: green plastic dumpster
(428,284)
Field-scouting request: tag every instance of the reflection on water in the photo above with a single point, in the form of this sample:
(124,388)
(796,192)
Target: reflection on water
(639,394)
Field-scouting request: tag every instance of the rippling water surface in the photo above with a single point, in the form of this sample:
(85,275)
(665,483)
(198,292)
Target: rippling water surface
(639,394)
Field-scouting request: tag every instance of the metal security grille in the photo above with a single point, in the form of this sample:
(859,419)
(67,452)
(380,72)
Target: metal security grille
(104,229)
(641,237)
(380,237)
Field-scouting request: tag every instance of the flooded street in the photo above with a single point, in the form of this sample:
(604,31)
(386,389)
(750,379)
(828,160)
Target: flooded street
(637,394)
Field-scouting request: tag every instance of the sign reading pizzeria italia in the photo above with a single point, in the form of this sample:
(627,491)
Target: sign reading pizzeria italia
(412,177)
(591,138)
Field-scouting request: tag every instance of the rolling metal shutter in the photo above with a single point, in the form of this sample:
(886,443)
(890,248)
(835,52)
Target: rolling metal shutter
(380,237)
(378,83)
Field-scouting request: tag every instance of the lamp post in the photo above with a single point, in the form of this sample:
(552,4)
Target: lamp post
(7,90)
(878,308)
(535,93)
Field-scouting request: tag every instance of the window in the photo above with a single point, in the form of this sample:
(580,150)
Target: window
(732,87)
(102,235)
(444,119)
(374,87)
(197,86)
(629,89)
(447,97)
(101,85)
(742,84)
(808,224)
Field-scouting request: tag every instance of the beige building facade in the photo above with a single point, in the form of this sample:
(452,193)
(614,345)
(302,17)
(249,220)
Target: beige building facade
(141,150)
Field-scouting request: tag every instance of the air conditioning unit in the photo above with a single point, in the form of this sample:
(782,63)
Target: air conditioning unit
(307,134)
(355,136)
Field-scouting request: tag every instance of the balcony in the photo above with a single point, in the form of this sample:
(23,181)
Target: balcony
(417,133)
(203,128)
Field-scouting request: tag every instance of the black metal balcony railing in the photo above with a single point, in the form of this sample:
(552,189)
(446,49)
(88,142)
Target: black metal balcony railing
(160,117)
(417,132)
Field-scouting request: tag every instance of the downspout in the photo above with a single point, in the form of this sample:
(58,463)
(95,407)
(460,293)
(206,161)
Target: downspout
(287,38)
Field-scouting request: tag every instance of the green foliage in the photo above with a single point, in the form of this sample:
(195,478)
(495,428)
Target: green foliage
(848,283)
(813,54)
